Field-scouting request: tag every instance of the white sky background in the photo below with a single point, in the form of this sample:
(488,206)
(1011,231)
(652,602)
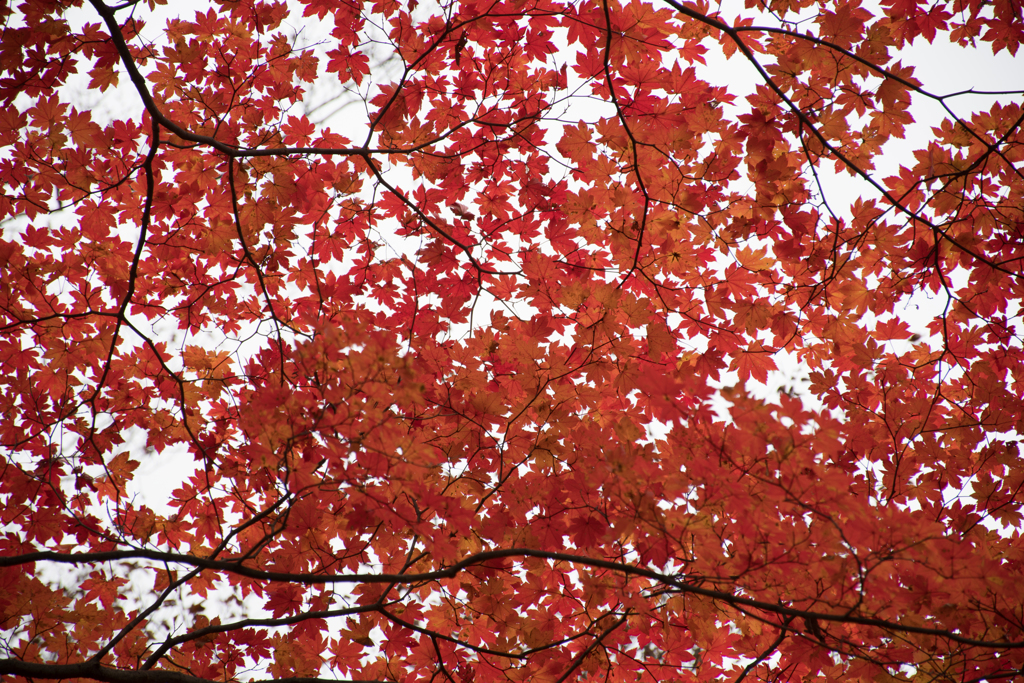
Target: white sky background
(942,68)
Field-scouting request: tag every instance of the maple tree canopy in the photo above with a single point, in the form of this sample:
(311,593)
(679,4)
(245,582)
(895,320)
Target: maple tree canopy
(468,382)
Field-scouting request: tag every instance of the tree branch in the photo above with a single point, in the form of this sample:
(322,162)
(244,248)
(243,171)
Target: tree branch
(488,556)
(96,672)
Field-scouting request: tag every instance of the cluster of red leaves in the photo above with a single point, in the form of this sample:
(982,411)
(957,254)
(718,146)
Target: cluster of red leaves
(447,391)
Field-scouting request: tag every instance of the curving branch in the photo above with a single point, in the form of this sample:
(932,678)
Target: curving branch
(95,671)
(481,559)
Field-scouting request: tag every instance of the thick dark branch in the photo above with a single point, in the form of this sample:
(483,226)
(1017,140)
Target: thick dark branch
(482,558)
(139,81)
(14,667)
(158,116)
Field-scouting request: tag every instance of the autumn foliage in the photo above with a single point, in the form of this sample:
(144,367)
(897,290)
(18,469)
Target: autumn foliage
(477,380)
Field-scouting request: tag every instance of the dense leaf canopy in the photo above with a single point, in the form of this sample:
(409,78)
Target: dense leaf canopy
(433,342)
